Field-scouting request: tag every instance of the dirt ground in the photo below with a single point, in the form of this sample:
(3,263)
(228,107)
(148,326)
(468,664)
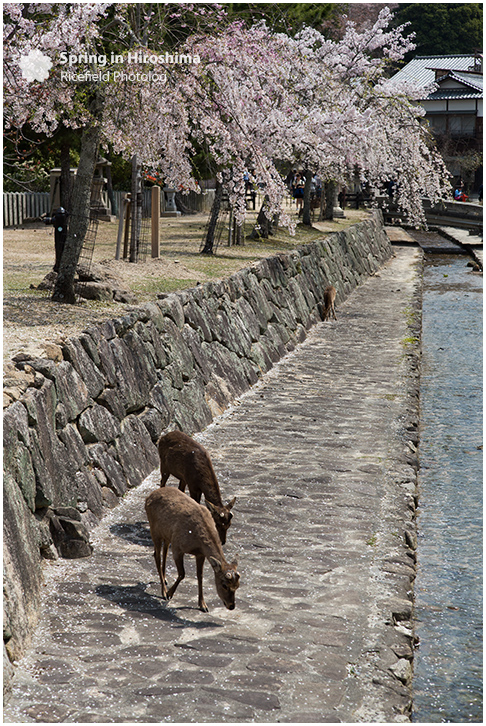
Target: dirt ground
(30,317)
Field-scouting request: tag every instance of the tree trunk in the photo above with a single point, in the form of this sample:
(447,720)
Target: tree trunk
(264,226)
(306,212)
(109,189)
(231,229)
(235,236)
(322,205)
(81,202)
(79,217)
(239,236)
(65,177)
(330,192)
(213,220)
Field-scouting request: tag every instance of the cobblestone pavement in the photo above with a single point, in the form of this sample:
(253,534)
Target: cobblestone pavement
(315,456)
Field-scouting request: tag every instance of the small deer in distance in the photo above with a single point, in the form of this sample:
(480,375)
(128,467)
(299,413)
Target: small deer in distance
(177,520)
(328,305)
(188,461)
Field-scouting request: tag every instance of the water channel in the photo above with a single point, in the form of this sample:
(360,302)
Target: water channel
(448,589)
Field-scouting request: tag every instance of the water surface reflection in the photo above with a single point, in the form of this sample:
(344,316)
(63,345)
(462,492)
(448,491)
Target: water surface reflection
(448,665)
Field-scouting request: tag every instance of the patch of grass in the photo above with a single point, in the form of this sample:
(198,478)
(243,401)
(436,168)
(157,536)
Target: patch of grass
(373,540)
(215,266)
(19,282)
(150,288)
(409,341)
(410,316)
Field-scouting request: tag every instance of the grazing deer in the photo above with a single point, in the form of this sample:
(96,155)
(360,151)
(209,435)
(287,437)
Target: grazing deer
(328,306)
(177,520)
(189,462)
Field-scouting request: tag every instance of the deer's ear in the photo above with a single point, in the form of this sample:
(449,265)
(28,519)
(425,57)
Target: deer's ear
(215,564)
(234,563)
(231,504)
(211,507)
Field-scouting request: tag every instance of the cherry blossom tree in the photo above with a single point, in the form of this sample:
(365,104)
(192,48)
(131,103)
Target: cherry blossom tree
(353,117)
(34,35)
(254,98)
(41,38)
(328,105)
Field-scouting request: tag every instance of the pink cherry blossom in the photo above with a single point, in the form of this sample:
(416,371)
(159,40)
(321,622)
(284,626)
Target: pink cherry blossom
(257,100)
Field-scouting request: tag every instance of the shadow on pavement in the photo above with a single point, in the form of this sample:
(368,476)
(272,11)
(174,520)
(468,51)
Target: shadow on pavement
(134,598)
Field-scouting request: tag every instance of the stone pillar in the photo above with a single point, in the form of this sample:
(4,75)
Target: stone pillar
(170,204)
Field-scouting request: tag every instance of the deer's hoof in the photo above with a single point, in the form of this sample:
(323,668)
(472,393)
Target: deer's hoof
(203,607)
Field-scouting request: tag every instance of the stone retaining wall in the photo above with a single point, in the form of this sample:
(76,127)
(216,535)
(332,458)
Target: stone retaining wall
(84,420)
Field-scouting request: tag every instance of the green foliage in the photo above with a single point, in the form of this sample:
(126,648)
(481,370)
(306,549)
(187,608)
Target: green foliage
(470,162)
(121,172)
(443,28)
(28,158)
(286,17)
(28,175)
(166,24)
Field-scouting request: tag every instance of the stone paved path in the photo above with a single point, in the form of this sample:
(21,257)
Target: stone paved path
(315,456)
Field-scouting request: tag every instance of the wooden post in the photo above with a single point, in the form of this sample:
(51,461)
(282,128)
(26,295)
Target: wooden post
(127,228)
(123,212)
(136,205)
(155,221)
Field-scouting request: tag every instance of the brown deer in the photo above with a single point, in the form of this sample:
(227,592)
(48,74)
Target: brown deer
(328,306)
(176,519)
(188,461)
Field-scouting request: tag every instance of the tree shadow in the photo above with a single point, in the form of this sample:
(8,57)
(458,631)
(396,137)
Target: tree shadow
(135,533)
(135,598)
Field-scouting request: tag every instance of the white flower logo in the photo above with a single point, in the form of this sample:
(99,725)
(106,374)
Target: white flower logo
(35,66)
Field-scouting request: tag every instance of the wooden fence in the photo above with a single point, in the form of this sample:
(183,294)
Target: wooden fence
(19,206)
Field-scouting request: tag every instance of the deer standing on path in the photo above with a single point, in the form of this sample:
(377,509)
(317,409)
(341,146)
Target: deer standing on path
(177,520)
(328,306)
(188,461)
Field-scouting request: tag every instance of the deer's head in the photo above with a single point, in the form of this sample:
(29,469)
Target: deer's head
(222,516)
(227,580)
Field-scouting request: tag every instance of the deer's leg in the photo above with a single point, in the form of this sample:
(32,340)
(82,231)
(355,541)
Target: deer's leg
(179,562)
(163,477)
(334,312)
(182,485)
(196,494)
(161,569)
(199,565)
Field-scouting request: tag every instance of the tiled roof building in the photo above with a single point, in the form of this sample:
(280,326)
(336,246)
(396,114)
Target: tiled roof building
(453,103)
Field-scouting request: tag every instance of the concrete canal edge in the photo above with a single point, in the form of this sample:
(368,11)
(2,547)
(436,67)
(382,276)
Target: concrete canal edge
(392,648)
(82,426)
